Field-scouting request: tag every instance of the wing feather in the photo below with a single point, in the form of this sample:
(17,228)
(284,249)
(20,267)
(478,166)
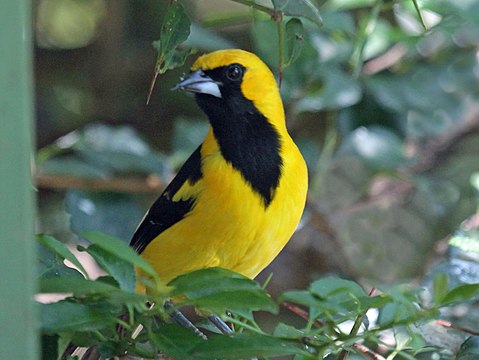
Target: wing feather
(166,212)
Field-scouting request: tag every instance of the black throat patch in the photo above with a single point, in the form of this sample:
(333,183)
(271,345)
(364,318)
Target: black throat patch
(246,138)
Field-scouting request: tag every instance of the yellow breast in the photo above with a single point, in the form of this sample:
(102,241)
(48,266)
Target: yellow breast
(229,226)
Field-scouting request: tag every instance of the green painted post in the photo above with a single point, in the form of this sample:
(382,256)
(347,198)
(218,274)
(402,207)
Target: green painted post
(18,339)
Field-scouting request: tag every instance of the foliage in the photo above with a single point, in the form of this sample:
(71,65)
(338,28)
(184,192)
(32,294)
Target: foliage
(93,311)
(386,115)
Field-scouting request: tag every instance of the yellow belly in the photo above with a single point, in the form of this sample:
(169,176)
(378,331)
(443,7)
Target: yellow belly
(229,226)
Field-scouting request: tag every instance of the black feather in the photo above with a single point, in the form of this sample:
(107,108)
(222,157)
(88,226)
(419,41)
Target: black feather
(246,138)
(165,212)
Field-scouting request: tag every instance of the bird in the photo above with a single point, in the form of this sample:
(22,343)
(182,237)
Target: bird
(239,197)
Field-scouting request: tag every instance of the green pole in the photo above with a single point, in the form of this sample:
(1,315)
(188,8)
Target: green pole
(18,339)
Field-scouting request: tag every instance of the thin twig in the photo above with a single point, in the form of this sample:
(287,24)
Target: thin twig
(357,324)
(457,327)
(367,351)
(386,60)
(300,312)
(435,151)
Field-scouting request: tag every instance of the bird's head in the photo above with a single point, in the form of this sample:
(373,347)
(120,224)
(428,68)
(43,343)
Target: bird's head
(234,81)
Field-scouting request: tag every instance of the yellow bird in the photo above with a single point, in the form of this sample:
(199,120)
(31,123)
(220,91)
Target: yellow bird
(239,197)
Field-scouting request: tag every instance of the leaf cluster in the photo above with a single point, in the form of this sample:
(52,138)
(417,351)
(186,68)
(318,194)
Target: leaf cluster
(108,314)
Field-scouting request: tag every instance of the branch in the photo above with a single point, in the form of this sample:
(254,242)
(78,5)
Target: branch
(300,312)
(450,325)
(367,351)
(385,61)
(151,184)
(357,324)
(435,150)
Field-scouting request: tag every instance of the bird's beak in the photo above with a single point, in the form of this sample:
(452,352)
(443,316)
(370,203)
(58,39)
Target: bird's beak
(199,82)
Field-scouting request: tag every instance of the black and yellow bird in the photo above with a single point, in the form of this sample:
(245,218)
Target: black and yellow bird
(239,197)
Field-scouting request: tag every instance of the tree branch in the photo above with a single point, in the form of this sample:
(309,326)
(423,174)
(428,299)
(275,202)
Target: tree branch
(150,184)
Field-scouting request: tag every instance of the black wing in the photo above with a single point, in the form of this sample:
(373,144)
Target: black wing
(165,212)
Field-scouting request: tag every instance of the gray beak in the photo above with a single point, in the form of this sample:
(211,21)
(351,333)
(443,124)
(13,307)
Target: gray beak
(199,82)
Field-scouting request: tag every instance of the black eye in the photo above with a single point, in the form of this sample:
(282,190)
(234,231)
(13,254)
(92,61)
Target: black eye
(234,72)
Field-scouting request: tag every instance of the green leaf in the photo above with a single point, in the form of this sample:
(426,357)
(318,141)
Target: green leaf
(174,340)
(469,349)
(77,286)
(120,149)
(121,270)
(327,287)
(72,165)
(121,250)
(175,28)
(113,213)
(244,346)
(379,147)
(49,346)
(218,290)
(294,40)
(348,4)
(440,287)
(460,294)
(50,264)
(300,297)
(174,31)
(287,331)
(67,316)
(60,249)
(331,89)
(301,8)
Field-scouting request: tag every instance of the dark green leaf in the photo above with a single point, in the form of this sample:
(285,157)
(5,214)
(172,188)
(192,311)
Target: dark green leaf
(243,346)
(50,264)
(440,287)
(121,250)
(174,31)
(287,331)
(177,58)
(174,340)
(109,349)
(349,4)
(49,345)
(60,249)
(469,349)
(218,290)
(112,213)
(333,89)
(72,165)
(294,40)
(67,316)
(121,270)
(119,149)
(300,297)
(327,287)
(175,28)
(379,147)
(460,294)
(77,286)
(301,8)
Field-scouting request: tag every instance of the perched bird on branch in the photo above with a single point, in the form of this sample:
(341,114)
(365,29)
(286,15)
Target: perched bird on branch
(239,197)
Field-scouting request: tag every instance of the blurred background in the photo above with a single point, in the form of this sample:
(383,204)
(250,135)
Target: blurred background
(385,112)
